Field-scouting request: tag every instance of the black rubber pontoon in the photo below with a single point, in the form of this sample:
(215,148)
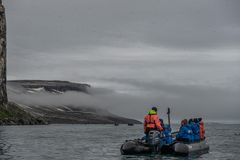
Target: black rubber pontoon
(134,147)
(188,148)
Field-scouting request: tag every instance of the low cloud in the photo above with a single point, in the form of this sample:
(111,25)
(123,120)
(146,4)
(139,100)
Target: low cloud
(185,101)
(143,53)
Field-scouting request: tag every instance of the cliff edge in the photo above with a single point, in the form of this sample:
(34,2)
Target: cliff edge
(10,113)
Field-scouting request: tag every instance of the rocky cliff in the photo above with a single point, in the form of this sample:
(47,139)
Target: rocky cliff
(3,93)
(10,113)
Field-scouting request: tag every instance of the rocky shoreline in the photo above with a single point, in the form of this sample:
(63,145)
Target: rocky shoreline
(12,114)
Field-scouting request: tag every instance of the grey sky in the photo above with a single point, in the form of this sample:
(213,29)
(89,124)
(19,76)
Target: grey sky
(181,53)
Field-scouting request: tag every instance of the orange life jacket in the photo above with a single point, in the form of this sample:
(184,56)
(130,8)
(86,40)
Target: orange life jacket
(201,130)
(151,121)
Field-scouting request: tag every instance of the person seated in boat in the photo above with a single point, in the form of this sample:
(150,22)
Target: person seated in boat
(194,126)
(185,132)
(195,129)
(201,129)
(166,136)
(152,122)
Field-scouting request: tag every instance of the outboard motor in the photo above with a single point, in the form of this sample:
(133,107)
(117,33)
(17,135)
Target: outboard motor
(154,140)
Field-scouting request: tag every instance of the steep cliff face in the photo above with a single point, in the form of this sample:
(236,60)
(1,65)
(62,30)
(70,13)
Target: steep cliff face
(3,92)
(10,113)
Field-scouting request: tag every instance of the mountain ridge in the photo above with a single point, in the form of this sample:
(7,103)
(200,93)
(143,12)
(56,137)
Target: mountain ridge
(61,109)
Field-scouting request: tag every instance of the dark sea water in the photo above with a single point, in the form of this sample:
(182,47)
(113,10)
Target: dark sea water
(100,142)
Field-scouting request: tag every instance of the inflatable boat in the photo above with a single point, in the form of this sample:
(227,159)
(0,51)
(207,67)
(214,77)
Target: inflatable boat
(165,142)
(185,141)
(138,146)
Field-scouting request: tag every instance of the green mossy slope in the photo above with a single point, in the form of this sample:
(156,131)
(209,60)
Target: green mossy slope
(12,114)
